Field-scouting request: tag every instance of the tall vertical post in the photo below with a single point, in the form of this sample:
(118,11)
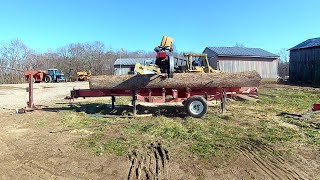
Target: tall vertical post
(134,103)
(120,73)
(113,100)
(223,101)
(30,91)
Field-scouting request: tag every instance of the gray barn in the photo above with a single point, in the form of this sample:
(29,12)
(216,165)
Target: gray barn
(239,59)
(304,64)
(126,65)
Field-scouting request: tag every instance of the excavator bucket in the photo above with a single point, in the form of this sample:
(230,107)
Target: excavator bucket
(166,42)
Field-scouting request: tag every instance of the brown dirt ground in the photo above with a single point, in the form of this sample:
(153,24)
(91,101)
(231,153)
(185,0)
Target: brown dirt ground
(29,151)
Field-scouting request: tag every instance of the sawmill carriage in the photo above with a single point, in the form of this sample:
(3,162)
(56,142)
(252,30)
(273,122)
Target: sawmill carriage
(191,83)
(194,99)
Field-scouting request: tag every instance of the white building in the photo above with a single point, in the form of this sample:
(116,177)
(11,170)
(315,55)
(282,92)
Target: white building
(126,65)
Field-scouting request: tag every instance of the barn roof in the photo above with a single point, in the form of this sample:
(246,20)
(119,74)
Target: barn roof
(132,61)
(242,51)
(315,42)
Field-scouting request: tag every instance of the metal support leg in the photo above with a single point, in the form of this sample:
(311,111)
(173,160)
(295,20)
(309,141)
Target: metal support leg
(223,102)
(113,100)
(30,105)
(134,103)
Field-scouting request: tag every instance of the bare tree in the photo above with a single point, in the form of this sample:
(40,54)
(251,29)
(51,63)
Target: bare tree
(283,67)
(91,56)
(239,45)
(14,54)
(284,55)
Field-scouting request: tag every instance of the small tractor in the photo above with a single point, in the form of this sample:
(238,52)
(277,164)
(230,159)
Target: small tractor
(52,75)
(83,75)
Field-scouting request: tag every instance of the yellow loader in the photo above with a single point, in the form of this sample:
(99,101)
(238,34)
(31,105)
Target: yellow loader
(83,75)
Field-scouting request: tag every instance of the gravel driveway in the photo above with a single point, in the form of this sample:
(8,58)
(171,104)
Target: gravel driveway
(14,96)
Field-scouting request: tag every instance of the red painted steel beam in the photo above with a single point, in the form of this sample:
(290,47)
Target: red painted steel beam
(316,107)
(30,105)
(159,94)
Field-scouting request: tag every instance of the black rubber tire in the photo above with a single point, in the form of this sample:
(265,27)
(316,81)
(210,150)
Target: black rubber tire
(48,79)
(189,102)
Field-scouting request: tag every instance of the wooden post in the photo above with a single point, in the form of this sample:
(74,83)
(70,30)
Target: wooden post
(30,105)
(134,103)
(223,101)
(113,99)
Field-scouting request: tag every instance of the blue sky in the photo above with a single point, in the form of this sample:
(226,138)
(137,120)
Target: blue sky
(140,24)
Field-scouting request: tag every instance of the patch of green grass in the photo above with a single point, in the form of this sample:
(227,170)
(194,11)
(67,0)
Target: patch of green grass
(286,99)
(272,132)
(82,120)
(197,130)
(203,149)
(188,129)
(280,134)
(138,128)
(314,136)
(116,146)
(76,120)
(99,146)
(171,130)
(225,133)
(299,123)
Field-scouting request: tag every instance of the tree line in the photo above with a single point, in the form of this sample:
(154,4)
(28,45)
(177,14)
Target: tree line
(71,58)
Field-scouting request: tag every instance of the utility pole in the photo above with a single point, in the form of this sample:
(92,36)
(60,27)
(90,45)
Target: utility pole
(120,63)
(121,51)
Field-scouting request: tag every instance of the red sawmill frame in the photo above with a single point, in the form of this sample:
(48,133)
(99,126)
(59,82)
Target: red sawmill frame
(162,95)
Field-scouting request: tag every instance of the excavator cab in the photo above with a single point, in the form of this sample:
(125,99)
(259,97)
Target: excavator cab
(166,63)
(164,58)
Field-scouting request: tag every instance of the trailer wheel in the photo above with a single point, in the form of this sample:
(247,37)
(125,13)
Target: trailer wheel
(196,106)
(48,79)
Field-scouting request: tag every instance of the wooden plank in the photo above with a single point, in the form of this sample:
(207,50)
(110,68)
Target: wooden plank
(248,98)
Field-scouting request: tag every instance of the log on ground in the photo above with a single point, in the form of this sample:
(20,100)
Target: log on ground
(179,80)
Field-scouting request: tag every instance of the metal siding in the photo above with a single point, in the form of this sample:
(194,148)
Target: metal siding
(123,71)
(212,58)
(133,61)
(264,68)
(304,65)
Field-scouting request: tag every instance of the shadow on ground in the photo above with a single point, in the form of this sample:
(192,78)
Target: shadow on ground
(123,110)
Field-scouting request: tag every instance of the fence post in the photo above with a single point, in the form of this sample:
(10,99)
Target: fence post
(30,91)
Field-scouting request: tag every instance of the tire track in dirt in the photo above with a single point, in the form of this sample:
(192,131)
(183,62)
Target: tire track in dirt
(151,164)
(34,169)
(279,161)
(271,164)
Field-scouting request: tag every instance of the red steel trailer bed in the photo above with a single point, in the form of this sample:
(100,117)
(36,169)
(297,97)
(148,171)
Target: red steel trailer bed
(193,99)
